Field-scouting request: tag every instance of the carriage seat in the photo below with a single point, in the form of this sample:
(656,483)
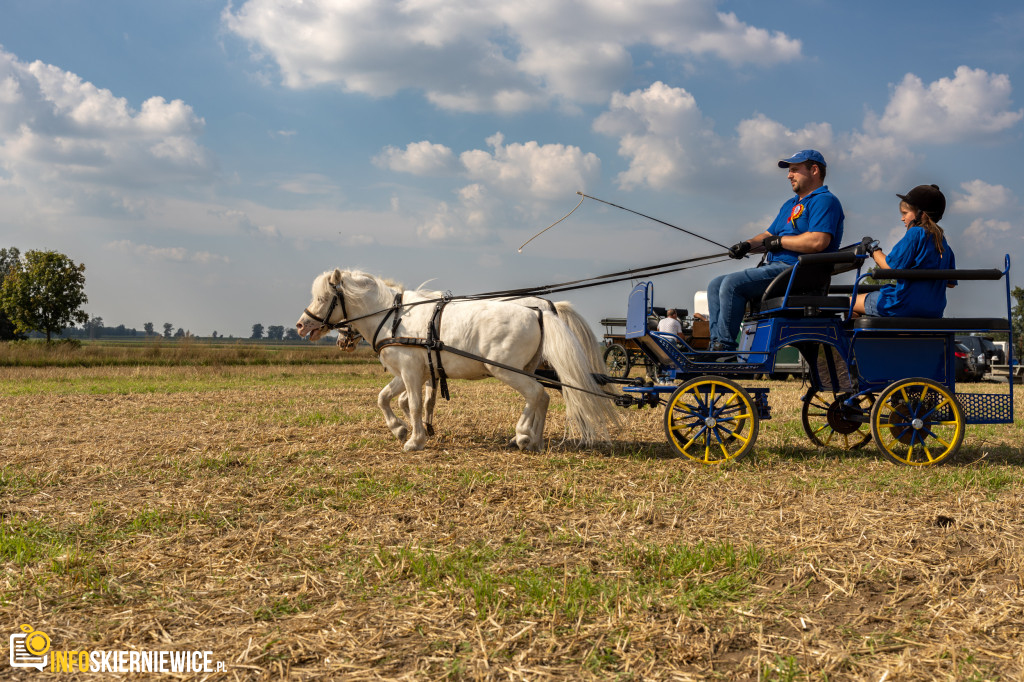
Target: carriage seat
(936,324)
(932,324)
(808,294)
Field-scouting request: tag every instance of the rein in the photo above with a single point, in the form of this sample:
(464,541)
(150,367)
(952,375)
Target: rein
(585,283)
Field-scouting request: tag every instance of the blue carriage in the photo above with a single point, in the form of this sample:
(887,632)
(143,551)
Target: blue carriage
(887,379)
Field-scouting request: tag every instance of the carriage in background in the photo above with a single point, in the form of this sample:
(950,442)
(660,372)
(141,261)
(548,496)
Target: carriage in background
(622,354)
(891,380)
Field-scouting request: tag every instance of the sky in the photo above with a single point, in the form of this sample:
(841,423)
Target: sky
(206,160)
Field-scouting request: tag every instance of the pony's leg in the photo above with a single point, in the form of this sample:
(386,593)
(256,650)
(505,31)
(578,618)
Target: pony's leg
(394,424)
(430,402)
(530,427)
(412,375)
(428,410)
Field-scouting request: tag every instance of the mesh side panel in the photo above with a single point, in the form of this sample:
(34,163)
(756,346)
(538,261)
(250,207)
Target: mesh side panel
(986,408)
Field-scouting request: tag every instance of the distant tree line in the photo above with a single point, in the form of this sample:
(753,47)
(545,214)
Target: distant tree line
(42,293)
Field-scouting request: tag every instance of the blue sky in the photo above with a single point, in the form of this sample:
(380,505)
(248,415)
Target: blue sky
(207,160)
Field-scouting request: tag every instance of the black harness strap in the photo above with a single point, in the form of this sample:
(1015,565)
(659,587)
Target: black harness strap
(395,310)
(435,344)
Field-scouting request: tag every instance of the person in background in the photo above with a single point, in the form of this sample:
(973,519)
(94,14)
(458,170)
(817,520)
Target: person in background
(923,246)
(809,222)
(670,323)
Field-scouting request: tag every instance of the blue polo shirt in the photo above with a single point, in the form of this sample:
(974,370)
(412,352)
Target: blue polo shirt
(924,298)
(819,211)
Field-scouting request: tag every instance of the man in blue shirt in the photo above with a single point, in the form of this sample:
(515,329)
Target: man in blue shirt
(810,222)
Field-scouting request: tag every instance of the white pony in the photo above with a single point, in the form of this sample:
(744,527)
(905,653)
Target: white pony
(563,309)
(503,332)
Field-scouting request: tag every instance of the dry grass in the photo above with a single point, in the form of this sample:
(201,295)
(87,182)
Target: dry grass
(265,514)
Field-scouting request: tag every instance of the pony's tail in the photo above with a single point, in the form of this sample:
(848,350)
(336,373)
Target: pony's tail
(581,330)
(588,413)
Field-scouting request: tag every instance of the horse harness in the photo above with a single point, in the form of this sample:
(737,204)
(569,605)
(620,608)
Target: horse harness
(433,343)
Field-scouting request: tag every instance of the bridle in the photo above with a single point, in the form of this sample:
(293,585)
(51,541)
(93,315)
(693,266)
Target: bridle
(351,336)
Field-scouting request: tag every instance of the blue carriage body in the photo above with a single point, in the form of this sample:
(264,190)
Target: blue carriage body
(855,358)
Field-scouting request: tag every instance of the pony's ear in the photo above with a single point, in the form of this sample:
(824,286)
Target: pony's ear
(335,278)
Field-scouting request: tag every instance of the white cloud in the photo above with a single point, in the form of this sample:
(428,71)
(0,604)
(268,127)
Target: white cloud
(492,55)
(880,160)
(983,234)
(981,197)
(971,104)
(310,184)
(418,158)
(469,220)
(68,143)
(530,169)
(661,131)
(175,254)
(762,141)
(243,222)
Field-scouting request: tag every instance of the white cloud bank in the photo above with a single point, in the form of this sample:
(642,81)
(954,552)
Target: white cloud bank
(492,55)
(175,254)
(971,104)
(68,143)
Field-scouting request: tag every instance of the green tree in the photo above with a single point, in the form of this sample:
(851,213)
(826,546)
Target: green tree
(167,329)
(275,332)
(257,331)
(9,258)
(149,328)
(44,293)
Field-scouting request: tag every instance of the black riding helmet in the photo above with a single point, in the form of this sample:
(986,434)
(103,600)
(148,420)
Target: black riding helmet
(926,198)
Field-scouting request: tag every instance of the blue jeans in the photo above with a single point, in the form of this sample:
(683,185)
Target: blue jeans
(727,300)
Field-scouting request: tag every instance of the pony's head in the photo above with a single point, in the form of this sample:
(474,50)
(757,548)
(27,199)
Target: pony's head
(324,309)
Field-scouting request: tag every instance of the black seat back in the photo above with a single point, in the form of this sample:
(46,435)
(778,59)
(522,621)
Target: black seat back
(812,277)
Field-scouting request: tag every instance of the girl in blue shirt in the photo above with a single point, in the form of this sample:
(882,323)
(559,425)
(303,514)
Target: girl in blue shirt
(922,247)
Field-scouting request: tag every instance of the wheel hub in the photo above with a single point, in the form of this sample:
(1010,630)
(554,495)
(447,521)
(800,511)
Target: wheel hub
(837,418)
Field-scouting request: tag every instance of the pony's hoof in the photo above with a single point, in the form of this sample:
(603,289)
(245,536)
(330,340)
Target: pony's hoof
(401,433)
(411,446)
(526,444)
(430,429)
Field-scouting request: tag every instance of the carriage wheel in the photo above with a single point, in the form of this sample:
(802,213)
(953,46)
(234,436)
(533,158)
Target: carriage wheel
(917,422)
(711,420)
(831,424)
(616,361)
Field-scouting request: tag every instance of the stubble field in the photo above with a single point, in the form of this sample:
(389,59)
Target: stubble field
(264,513)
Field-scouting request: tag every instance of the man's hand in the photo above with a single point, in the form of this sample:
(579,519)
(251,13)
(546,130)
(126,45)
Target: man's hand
(772,243)
(739,250)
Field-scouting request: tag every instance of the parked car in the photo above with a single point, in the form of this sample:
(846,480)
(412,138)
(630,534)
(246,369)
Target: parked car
(995,354)
(977,349)
(966,367)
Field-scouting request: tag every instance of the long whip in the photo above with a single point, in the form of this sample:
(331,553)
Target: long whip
(552,224)
(644,215)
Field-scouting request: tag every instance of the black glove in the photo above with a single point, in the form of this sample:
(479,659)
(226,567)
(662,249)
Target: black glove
(773,244)
(739,250)
(866,247)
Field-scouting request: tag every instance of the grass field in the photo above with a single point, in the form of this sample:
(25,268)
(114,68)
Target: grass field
(260,511)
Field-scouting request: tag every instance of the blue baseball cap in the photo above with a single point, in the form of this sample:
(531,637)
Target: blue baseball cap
(803,155)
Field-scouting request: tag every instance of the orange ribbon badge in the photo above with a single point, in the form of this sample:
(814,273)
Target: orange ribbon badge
(797,211)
